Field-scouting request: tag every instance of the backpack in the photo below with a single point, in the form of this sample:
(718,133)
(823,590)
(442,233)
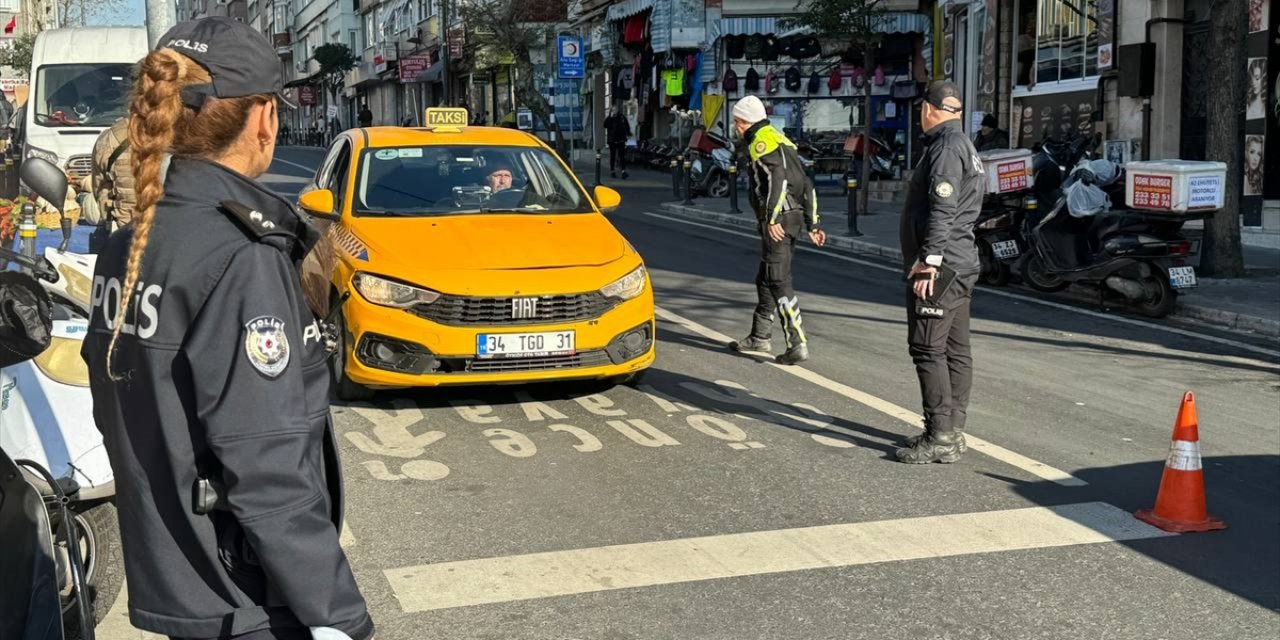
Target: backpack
(753,79)
(730,80)
(815,82)
(794,79)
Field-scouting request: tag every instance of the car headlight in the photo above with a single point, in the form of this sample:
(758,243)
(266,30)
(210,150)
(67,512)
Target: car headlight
(626,287)
(36,152)
(390,293)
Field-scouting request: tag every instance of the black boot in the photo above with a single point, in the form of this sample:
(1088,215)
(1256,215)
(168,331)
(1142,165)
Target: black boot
(943,446)
(795,355)
(911,442)
(752,343)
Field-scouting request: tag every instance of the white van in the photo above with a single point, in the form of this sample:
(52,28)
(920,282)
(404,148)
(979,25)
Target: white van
(80,82)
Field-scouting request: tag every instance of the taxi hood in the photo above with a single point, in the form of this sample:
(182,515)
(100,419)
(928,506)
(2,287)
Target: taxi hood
(491,241)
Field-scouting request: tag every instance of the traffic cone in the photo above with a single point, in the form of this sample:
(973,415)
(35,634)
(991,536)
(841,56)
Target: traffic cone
(1180,504)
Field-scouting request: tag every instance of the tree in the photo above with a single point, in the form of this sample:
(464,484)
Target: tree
(854,21)
(1221,255)
(79,13)
(335,59)
(18,54)
(514,29)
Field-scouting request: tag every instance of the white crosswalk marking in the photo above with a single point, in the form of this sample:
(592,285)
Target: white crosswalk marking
(560,573)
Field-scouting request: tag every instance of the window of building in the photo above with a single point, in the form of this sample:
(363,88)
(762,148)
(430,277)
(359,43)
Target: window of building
(1057,42)
(370,30)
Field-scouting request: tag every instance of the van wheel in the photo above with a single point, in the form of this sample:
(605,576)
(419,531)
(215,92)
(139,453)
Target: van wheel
(344,388)
(99,542)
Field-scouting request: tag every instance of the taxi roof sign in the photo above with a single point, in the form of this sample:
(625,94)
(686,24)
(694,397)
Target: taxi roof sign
(447,119)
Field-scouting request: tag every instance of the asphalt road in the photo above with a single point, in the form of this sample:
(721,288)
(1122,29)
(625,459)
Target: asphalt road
(727,497)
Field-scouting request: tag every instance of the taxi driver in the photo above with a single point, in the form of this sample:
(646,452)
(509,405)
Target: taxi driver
(499,178)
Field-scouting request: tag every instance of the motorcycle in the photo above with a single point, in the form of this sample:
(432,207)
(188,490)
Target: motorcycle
(46,425)
(1130,252)
(710,175)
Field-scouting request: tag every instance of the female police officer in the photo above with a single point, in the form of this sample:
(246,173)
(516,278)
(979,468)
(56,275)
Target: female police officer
(207,365)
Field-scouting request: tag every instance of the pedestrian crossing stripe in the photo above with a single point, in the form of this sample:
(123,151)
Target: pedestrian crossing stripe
(561,573)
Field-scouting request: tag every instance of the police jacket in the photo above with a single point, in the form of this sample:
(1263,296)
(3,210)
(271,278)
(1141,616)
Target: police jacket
(943,201)
(222,375)
(779,184)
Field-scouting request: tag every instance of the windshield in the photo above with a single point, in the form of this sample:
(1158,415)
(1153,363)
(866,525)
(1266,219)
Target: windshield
(80,95)
(456,180)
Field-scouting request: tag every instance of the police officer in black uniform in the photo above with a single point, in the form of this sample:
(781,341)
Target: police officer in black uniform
(207,363)
(943,201)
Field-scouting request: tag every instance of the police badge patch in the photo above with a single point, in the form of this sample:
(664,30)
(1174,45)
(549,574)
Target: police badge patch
(760,147)
(266,345)
(944,189)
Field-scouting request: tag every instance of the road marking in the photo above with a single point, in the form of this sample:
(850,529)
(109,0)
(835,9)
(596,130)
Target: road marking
(1034,467)
(116,626)
(560,573)
(998,292)
(346,539)
(294,164)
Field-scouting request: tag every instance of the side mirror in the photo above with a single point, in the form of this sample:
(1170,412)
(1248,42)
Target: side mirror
(319,203)
(46,180)
(607,199)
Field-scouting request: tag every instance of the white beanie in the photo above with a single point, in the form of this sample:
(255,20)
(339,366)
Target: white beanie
(749,109)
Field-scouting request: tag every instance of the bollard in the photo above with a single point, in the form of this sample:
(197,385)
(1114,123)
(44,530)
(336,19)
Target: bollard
(4,181)
(675,178)
(27,230)
(852,184)
(10,179)
(688,182)
(733,189)
(598,182)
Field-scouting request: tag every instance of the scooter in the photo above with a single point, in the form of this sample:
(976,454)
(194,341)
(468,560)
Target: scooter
(711,174)
(1133,253)
(46,419)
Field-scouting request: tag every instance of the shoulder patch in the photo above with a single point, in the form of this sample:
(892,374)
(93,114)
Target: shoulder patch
(253,221)
(761,147)
(266,345)
(943,189)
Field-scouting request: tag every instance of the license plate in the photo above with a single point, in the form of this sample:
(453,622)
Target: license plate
(1182,277)
(516,345)
(1005,250)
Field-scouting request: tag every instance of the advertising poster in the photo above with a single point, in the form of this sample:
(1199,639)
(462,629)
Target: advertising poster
(1058,116)
(1106,13)
(1261,128)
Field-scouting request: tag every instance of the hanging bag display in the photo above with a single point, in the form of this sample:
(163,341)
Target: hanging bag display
(904,89)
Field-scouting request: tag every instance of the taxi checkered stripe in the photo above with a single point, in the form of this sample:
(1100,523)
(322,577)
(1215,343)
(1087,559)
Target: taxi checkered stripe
(348,242)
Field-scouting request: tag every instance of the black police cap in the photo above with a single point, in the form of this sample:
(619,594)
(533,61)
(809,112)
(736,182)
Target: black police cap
(939,91)
(240,60)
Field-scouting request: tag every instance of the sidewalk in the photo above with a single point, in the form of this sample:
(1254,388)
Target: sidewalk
(1249,304)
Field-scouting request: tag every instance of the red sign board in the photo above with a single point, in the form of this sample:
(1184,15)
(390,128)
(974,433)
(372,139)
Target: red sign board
(1012,176)
(412,67)
(307,95)
(456,40)
(1152,192)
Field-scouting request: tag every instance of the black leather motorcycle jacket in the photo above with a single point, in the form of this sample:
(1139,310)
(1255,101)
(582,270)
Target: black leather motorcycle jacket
(943,202)
(222,375)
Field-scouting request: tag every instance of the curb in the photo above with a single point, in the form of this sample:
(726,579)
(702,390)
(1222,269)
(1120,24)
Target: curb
(1226,319)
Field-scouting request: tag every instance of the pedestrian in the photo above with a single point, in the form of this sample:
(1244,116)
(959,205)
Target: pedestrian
(113,184)
(785,202)
(943,201)
(208,376)
(990,136)
(617,130)
(366,116)
(6,112)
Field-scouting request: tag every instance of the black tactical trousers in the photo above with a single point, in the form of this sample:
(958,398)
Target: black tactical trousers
(290,633)
(773,283)
(940,349)
(617,156)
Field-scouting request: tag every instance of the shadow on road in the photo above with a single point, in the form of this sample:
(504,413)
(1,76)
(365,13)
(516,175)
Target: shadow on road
(1242,490)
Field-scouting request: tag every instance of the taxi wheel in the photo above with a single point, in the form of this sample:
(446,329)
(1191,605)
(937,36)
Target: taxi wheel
(343,387)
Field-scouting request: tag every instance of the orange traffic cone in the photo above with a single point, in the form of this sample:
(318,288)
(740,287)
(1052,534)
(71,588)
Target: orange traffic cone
(1180,505)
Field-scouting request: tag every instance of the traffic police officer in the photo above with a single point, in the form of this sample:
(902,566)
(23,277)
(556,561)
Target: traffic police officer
(943,202)
(784,200)
(207,363)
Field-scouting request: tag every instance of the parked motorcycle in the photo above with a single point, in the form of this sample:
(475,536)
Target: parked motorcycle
(46,423)
(710,173)
(1134,253)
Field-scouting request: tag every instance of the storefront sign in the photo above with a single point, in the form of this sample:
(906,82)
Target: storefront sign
(307,95)
(412,67)
(1106,14)
(457,37)
(1152,192)
(1053,115)
(379,63)
(1012,176)
(7,85)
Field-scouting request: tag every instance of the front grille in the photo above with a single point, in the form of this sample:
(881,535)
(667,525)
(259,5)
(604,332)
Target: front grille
(580,360)
(470,311)
(80,166)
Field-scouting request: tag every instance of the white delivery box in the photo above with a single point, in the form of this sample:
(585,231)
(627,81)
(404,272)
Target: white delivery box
(1008,170)
(1175,186)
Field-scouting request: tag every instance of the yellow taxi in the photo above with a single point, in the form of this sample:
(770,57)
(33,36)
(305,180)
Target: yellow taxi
(472,255)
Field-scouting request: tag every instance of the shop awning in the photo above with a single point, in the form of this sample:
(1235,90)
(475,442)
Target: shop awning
(587,11)
(431,73)
(311,79)
(627,8)
(891,22)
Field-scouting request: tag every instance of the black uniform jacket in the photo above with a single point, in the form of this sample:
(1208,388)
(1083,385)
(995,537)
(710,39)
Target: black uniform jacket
(943,201)
(223,376)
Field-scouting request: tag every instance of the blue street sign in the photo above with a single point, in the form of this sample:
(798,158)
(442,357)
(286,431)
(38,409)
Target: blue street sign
(572,62)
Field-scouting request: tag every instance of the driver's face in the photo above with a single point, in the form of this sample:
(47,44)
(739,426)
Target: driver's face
(500,180)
